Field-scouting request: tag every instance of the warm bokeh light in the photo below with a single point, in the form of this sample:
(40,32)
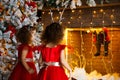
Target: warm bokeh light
(73,11)
(101,10)
(69,22)
(94,12)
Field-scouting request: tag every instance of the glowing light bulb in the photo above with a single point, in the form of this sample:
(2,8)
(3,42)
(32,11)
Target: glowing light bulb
(94,12)
(103,21)
(111,16)
(71,17)
(91,23)
(57,17)
(88,31)
(48,12)
(101,10)
(60,22)
(79,17)
(43,12)
(73,11)
(60,12)
(113,22)
(68,22)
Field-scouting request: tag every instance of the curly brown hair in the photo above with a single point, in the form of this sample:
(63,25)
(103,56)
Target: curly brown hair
(24,36)
(53,33)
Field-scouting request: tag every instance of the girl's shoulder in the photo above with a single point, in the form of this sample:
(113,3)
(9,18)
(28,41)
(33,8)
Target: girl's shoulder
(38,47)
(24,46)
(61,46)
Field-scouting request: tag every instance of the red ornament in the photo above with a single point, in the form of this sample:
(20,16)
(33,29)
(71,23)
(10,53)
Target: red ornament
(33,4)
(12,29)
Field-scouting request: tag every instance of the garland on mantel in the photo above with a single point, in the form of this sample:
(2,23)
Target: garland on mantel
(72,3)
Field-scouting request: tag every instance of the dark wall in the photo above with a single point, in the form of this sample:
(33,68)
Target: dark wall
(86,15)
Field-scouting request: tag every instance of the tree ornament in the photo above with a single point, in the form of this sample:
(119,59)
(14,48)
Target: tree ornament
(79,3)
(12,29)
(57,2)
(40,4)
(91,3)
(73,6)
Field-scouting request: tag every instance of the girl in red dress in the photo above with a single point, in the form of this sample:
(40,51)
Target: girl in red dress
(25,67)
(52,57)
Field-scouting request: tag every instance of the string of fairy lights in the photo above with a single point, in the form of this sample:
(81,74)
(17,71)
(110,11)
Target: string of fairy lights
(110,51)
(103,58)
(103,24)
(92,44)
(94,14)
(113,22)
(82,57)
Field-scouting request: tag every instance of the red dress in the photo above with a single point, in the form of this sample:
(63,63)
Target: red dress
(19,72)
(52,72)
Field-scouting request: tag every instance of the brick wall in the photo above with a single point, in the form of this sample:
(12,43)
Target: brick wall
(83,45)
